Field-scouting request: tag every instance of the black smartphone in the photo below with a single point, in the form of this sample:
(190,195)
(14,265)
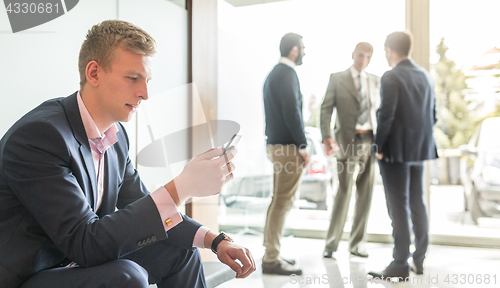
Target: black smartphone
(232,143)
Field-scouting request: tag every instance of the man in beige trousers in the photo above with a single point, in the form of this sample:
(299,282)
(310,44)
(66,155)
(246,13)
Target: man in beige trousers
(286,148)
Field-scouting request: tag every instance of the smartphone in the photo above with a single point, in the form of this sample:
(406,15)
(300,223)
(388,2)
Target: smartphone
(232,143)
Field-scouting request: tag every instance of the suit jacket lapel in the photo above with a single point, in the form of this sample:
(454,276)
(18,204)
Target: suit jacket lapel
(348,83)
(374,99)
(371,89)
(75,120)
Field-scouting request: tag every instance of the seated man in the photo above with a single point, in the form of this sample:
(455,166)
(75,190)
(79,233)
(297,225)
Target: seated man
(73,210)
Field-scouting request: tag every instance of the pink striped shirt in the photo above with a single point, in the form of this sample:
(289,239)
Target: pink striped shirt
(99,143)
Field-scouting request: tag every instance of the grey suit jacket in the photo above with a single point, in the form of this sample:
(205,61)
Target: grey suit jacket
(342,94)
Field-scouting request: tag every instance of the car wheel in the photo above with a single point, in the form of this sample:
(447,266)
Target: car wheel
(475,210)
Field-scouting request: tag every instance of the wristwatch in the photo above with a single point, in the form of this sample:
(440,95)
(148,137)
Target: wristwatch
(218,239)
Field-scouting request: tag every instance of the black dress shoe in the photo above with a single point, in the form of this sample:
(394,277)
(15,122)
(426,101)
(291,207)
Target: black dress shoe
(391,272)
(417,269)
(327,254)
(359,254)
(280,267)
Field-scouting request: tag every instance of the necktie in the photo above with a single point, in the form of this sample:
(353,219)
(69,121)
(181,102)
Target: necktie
(363,105)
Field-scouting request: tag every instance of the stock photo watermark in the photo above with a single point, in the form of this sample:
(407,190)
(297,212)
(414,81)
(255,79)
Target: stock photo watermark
(279,155)
(436,279)
(26,14)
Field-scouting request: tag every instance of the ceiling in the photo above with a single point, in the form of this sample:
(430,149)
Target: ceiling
(238,3)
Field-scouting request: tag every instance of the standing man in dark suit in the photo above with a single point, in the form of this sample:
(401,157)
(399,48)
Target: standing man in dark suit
(73,210)
(286,148)
(356,95)
(404,140)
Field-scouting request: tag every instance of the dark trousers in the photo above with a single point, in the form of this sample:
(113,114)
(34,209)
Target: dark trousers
(404,193)
(160,263)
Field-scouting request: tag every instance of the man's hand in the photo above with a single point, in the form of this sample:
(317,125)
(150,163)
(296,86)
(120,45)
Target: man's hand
(203,176)
(379,156)
(228,252)
(307,157)
(331,147)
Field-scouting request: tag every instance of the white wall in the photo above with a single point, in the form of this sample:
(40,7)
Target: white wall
(42,63)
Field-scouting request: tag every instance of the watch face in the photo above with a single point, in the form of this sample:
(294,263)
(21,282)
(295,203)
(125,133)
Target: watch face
(226,237)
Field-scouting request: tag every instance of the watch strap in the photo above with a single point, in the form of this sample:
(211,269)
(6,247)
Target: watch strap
(217,240)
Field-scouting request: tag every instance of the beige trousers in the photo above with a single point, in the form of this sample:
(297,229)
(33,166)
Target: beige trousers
(288,166)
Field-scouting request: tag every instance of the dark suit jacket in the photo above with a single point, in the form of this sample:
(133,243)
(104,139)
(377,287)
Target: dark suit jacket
(342,94)
(407,114)
(283,107)
(48,195)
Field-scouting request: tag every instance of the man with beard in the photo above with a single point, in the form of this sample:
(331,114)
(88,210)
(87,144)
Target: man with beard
(286,148)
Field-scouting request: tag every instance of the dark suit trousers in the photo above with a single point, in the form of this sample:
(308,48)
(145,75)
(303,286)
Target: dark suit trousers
(404,193)
(160,263)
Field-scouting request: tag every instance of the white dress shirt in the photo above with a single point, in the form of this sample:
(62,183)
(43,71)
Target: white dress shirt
(366,92)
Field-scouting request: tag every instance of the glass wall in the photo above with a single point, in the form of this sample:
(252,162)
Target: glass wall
(249,39)
(465,57)
(167,110)
(465,64)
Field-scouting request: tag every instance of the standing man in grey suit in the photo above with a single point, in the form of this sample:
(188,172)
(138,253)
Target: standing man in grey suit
(355,94)
(286,148)
(404,140)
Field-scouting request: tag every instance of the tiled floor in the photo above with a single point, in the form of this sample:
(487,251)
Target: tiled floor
(445,266)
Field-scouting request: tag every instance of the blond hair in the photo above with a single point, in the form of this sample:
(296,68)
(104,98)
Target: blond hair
(102,40)
(364,44)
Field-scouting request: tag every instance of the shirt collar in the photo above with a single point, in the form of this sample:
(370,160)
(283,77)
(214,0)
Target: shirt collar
(355,73)
(287,61)
(108,138)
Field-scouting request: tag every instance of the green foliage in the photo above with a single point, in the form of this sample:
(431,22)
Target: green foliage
(313,108)
(456,124)
(314,119)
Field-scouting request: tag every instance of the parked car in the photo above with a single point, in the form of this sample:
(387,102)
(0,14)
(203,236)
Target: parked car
(480,170)
(313,188)
(318,177)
